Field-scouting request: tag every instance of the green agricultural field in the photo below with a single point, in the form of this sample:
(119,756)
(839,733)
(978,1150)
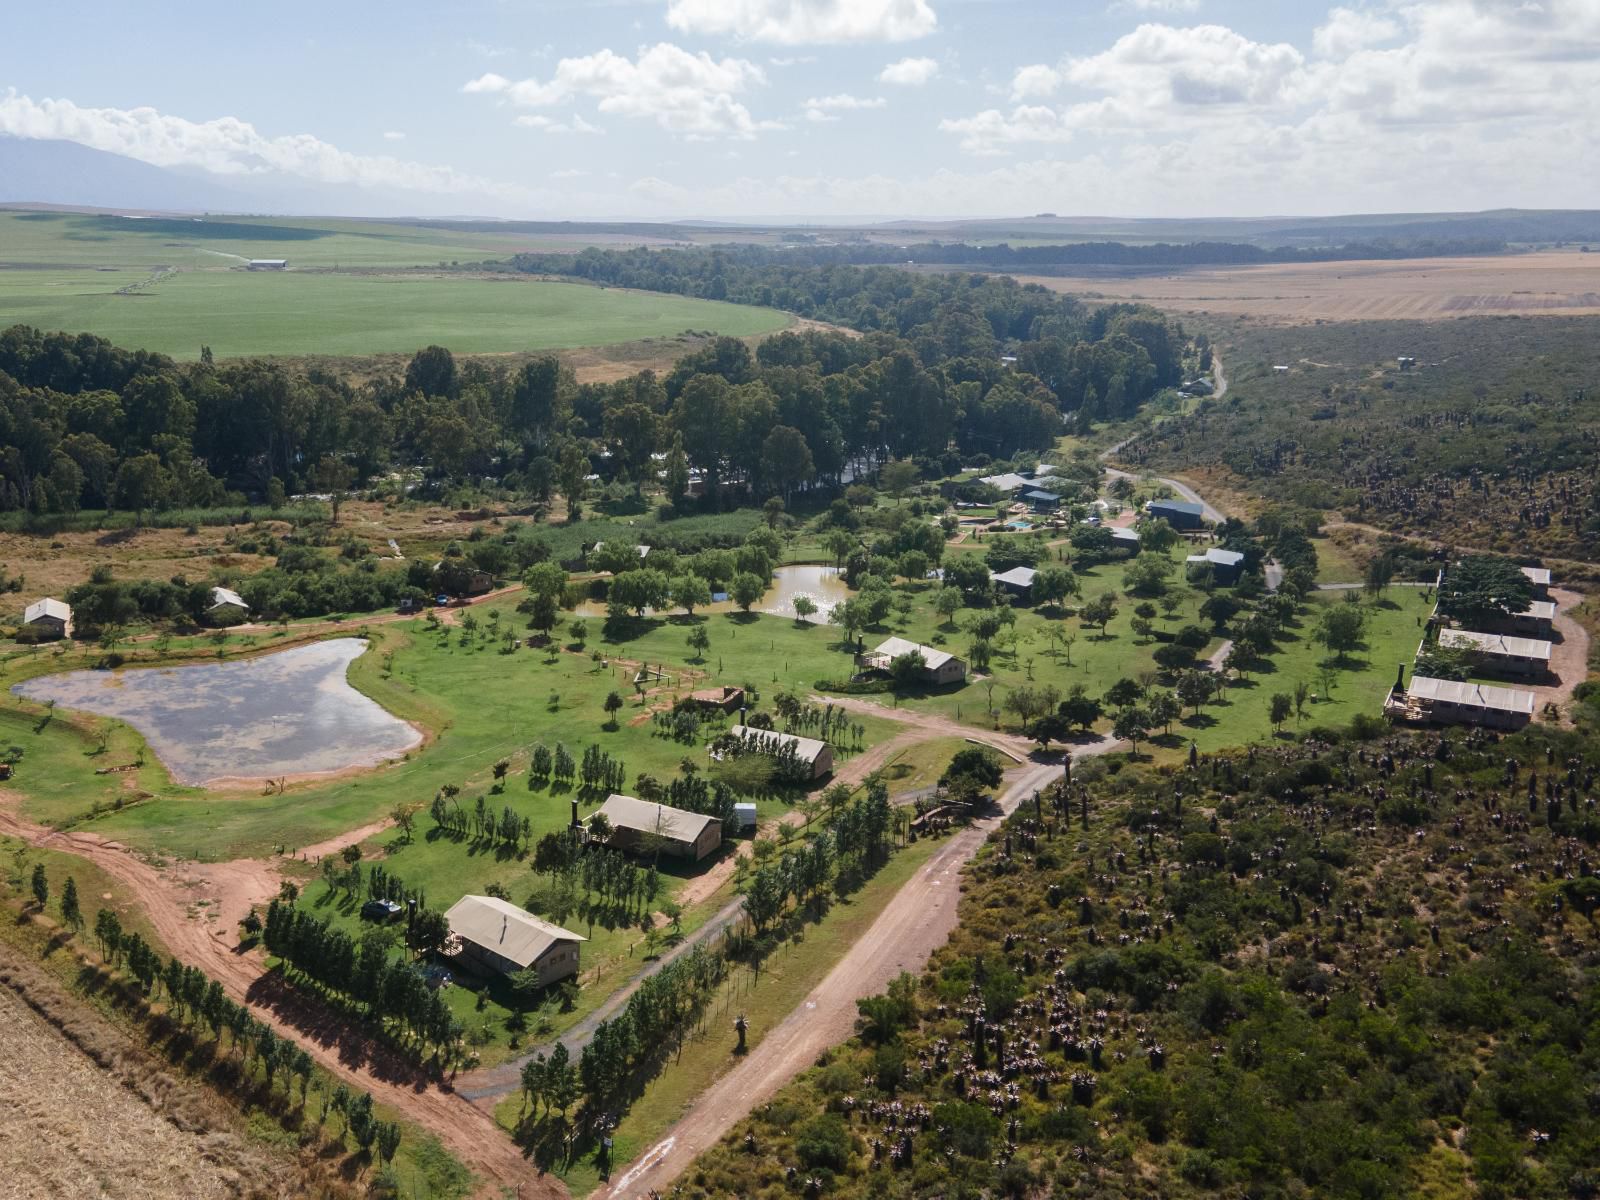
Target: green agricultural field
(176,284)
(238,313)
(58,239)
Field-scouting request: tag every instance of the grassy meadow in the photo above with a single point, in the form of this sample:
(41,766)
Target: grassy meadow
(778,652)
(240,313)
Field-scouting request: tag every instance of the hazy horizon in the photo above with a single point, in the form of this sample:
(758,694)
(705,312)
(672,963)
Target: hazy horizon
(825,112)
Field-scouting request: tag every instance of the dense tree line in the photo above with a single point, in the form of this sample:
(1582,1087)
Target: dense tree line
(84,424)
(197,1001)
(366,971)
(659,1014)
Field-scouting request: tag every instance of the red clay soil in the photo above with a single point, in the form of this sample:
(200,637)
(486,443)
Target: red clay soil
(194,908)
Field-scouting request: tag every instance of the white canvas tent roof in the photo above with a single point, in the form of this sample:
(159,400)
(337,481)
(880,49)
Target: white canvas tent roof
(899,647)
(501,927)
(48,607)
(806,749)
(1472,695)
(641,816)
(1497,643)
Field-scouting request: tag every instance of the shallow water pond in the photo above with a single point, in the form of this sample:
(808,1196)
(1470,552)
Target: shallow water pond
(289,713)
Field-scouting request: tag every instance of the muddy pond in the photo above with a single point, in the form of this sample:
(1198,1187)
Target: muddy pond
(289,713)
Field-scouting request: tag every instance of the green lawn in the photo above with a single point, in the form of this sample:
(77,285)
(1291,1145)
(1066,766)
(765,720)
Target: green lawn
(775,652)
(482,704)
(239,312)
(51,239)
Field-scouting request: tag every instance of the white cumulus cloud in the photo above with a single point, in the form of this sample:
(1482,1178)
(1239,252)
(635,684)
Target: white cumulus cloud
(684,93)
(823,108)
(909,72)
(224,146)
(805,22)
(1349,29)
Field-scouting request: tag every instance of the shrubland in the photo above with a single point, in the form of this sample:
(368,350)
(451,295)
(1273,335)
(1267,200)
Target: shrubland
(1342,967)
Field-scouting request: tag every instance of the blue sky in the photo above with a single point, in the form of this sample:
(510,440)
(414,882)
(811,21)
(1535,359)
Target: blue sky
(593,109)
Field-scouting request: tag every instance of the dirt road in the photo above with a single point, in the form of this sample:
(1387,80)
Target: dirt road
(931,725)
(916,922)
(193,908)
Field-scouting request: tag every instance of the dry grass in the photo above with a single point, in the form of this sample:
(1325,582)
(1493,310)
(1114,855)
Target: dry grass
(90,1115)
(52,563)
(1549,283)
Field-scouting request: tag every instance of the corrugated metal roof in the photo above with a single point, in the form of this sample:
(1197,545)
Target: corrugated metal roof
(1473,695)
(1538,575)
(222,595)
(500,926)
(641,816)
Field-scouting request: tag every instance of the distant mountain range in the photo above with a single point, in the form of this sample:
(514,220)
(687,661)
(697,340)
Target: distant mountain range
(67,174)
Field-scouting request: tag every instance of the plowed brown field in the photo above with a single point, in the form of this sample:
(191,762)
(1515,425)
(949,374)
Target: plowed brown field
(1549,283)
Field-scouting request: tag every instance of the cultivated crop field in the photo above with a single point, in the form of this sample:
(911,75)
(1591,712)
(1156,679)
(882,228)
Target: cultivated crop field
(174,286)
(70,1130)
(1552,283)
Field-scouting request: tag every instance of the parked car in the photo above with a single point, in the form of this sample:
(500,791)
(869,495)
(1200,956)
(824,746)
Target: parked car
(380,910)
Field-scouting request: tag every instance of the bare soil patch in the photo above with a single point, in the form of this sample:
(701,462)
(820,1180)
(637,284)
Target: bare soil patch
(1547,283)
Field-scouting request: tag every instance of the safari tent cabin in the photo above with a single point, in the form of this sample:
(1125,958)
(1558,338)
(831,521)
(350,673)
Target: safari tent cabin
(1536,621)
(227,604)
(1016,582)
(938,666)
(48,618)
(1501,653)
(497,937)
(683,834)
(1451,702)
(1180,514)
(817,755)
